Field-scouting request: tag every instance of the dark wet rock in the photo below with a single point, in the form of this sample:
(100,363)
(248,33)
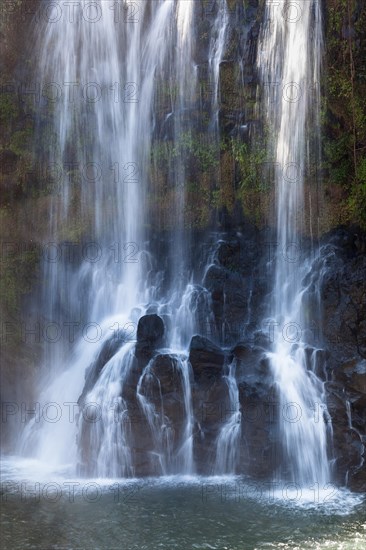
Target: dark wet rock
(162,385)
(358,411)
(346,401)
(251,361)
(206,358)
(343,295)
(139,436)
(210,398)
(260,444)
(166,369)
(344,240)
(161,390)
(211,407)
(150,330)
(214,280)
(230,293)
(338,412)
(238,254)
(357,478)
(132,379)
(344,309)
(145,463)
(262,340)
(8,161)
(150,334)
(237,282)
(316,361)
(342,277)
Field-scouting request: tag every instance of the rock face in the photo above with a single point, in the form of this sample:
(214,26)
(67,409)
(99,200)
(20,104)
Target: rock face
(343,295)
(237,281)
(8,161)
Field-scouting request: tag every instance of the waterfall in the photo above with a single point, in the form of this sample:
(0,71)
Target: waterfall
(217,46)
(104,449)
(101,69)
(185,72)
(99,65)
(228,442)
(289,53)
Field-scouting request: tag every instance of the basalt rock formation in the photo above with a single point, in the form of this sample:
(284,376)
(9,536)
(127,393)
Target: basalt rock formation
(336,356)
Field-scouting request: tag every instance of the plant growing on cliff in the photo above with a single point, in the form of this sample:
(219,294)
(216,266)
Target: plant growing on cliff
(344,117)
(251,162)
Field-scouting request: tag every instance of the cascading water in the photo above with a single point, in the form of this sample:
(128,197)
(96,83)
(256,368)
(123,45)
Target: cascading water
(289,54)
(227,445)
(104,127)
(227,453)
(175,450)
(115,158)
(186,83)
(217,47)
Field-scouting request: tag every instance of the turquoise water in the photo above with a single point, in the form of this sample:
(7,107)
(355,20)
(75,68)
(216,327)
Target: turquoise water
(46,510)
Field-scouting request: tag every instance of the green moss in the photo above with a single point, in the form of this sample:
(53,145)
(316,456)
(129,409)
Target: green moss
(193,147)
(21,141)
(251,161)
(18,269)
(357,199)
(344,110)
(8,109)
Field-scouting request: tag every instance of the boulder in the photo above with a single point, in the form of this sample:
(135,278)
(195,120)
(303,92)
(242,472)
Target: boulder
(206,358)
(211,400)
(259,404)
(162,385)
(150,334)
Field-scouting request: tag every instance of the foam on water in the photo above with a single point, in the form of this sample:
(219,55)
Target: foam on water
(327,500)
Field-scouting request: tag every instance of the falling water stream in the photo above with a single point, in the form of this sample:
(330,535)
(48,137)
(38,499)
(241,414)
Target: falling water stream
(289,56)
(109,140)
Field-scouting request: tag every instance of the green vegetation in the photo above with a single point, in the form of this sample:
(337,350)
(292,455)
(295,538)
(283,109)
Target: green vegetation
(8,109)
(194,148)
(344,110)
(251,161)
(17,273)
